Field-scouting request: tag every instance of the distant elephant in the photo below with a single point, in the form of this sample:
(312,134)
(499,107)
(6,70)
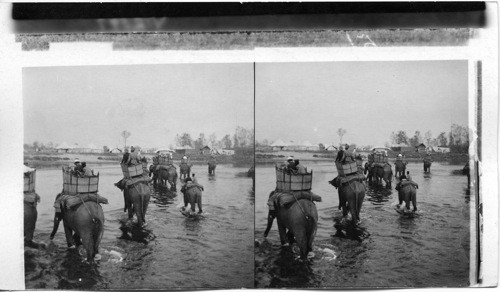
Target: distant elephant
(193,196)
(408,193)
(185,170)
(84,224)
(383,173)
(400,168)
(466,171)
(300,218)
(368,171)
(163,175)
(427,165)
(30,216)
(351,196)
(136,201)
(211,167)
(251,172)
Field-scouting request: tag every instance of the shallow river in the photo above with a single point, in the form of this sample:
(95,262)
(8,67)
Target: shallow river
(172,251)
(429,249)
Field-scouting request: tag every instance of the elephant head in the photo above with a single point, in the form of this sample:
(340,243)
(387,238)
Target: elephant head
(351,197)
(300,219)
(84,224)
(136,200)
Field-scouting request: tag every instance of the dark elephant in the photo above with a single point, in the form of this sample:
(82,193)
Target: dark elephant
(136,201)
(164,174)
(193,196)
(300,219)
(400,168)
(84,224)
(427,165)
(382,173)
(30,216)
(466,171)
(351,196)
(211,167)
(251,172)
(185,170)
(408,193)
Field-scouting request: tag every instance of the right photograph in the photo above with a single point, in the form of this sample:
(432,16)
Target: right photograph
(362,174)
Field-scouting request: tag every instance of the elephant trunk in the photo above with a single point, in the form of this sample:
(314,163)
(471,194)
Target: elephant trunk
(92,244)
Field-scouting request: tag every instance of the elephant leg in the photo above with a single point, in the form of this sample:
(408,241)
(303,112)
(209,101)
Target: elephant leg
(57,220)
(290,237)
(354,213)
(400,198)
(282,232)
(145,207)
(270,218)
(69,235)
(88,244)
(414,201)
(344,210)
(185,200)
(198,197)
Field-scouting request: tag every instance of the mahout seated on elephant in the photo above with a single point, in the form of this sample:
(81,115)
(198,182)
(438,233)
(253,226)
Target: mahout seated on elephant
(212,164)
(400,166)
(427,162)
(297,218)
(192,192)
(83,220)
(407,192)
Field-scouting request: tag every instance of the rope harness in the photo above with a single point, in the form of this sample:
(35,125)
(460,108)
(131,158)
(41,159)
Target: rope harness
(301,209)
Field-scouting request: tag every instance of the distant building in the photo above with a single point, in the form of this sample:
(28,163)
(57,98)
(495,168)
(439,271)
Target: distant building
(278,145)
(115,150)
(441,149)
(206,150)
(421,147)
(402,148)
(63,148)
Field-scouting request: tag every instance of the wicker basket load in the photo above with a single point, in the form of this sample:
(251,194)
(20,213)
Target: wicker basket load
(73,184)
(132,171)
(380,158)
(292,182)
(29,181)
(346,168)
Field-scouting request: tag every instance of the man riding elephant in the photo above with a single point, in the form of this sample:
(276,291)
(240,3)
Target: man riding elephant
(427,162)
(212,163)
(185,168)
(407,192)
(192,192)
(400,166)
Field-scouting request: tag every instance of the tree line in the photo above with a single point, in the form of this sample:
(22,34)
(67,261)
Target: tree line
(457,139)
(242,137)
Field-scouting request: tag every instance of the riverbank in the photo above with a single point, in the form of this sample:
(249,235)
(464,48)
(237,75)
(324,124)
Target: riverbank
(280,156)
(57,160)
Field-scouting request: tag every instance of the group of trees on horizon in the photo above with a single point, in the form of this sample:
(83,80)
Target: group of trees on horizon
(242,137)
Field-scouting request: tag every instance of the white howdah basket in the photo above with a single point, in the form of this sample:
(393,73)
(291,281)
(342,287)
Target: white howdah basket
(29,181)
(73,184)
(346,168)
(292,182)
(132,171)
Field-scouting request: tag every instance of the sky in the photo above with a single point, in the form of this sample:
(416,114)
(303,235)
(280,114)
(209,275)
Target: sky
(94,104)
(370,100)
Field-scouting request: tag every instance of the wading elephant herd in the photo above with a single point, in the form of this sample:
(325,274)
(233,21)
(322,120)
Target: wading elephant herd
(84,222)
(297,222)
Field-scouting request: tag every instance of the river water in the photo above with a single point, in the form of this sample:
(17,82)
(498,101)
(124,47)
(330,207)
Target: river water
(172,251)
(429,249)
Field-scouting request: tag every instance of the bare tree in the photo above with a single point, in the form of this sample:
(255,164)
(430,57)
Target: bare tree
(341,132)
(125,135)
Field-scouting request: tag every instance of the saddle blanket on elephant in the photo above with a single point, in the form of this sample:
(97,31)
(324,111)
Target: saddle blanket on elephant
(70,201)
(281,199)
(31,197)
(128,182)
(341,180)
(190,185)
(381,164)
(165,166)
(404,183)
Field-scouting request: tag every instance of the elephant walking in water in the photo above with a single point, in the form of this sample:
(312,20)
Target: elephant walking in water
(136,201)
(400,168)
(408,193)
(163,175)
(211,167)
(382,173)
(84,224)
(192,196)
(351,196)
(300,219)
(185,170)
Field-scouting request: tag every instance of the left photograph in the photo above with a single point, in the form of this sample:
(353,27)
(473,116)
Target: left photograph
(139,176)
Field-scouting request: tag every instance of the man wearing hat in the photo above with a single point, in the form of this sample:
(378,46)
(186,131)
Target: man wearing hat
(134,157)
(125,156)
(340,155)
(78,169)
(290,165)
